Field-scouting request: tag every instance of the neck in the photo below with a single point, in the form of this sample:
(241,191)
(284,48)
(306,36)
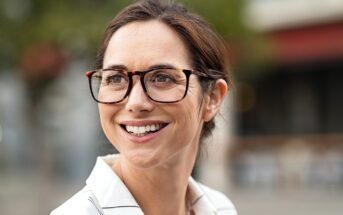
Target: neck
(160,190)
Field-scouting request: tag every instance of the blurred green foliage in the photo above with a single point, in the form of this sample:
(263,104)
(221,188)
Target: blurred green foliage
(224,15)
(77,25)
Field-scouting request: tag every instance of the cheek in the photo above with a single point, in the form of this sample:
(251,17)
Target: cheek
(103,118)
(107,119)
(190,110)
(102,112)
(194,101)
(107,113)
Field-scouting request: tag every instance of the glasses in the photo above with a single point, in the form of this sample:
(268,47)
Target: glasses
(163,85)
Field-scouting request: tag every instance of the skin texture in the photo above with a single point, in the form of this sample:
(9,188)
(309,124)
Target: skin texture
(156,170)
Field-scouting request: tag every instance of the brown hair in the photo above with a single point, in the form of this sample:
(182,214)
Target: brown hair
(207,50)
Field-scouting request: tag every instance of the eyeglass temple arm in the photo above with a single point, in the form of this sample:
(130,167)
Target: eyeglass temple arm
(217,74)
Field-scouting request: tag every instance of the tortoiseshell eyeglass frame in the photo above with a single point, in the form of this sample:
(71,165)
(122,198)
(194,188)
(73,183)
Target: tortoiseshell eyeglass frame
(141,74)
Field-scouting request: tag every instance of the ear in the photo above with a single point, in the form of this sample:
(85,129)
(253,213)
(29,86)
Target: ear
(214,100)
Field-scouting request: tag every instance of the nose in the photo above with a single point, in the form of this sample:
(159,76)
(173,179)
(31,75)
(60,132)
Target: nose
(138,101)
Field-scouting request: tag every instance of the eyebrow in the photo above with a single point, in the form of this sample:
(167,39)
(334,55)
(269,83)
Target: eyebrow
(117,67)
(162,65)
(156,66)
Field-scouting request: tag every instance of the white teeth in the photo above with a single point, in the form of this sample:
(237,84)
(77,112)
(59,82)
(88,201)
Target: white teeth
(143,129)
(135,129)
(152,127)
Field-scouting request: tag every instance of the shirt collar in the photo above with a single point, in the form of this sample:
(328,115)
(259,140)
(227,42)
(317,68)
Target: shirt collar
(108,188)
(200,203)
(111,192)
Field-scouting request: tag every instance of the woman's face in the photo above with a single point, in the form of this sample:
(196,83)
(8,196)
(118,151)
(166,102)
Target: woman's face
(139,46)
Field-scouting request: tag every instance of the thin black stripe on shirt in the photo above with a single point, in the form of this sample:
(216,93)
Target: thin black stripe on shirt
(121,206)
(197,199)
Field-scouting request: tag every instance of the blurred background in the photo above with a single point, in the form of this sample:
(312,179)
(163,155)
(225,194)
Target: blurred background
(278,148)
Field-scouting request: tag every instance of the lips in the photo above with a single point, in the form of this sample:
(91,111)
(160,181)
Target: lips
(141,129)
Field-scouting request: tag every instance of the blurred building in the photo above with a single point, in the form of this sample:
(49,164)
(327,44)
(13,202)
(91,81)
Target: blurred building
(290,110)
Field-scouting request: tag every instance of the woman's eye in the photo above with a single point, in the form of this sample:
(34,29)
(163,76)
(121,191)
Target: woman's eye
(115,79)
(163,78)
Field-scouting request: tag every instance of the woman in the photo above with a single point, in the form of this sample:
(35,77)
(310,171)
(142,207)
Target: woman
(160,80)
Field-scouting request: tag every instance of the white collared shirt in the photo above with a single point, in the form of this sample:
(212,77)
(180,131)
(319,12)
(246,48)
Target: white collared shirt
(106,194)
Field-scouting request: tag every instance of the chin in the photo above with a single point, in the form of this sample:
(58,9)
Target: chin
(142,160)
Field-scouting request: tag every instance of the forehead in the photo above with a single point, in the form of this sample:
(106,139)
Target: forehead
(139,45)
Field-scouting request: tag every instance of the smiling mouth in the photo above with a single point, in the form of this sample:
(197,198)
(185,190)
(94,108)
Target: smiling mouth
(141,131)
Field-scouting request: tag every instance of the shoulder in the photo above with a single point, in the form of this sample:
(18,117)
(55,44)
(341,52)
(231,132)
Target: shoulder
(83,203)
(222,204)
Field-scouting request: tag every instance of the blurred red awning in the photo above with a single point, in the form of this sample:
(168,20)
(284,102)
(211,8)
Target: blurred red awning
(308,43)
